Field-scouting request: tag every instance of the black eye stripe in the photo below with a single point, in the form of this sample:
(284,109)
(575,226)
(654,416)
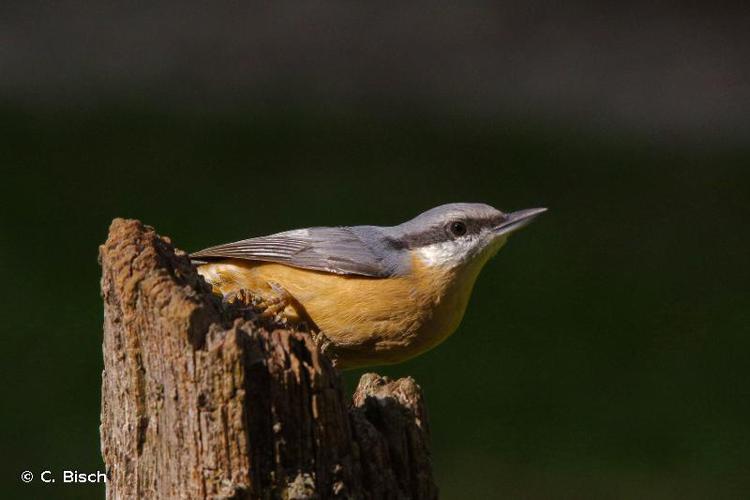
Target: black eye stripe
(438,234)
(474,226)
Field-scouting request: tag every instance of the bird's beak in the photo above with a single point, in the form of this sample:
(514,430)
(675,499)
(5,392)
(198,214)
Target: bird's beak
(517,220)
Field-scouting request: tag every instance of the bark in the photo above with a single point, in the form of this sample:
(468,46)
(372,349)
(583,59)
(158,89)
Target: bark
(204,401)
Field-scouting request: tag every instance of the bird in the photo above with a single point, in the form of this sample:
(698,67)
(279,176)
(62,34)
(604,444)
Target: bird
(369,295)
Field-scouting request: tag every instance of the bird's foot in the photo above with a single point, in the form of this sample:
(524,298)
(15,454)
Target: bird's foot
(244,298)
(275,304)
(325,345)
(265,306)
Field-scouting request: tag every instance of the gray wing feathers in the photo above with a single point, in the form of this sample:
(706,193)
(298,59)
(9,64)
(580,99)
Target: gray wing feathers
(332,249)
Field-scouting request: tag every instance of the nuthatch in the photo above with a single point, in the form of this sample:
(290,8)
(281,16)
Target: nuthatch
(373,295)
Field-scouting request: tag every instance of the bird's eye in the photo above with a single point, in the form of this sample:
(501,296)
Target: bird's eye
(457,228)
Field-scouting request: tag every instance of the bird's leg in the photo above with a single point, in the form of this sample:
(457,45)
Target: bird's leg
(278,302)
(267,306)
(321,340)
(325,345)
(244,298)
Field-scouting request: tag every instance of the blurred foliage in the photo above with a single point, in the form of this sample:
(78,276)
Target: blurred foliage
(605,353)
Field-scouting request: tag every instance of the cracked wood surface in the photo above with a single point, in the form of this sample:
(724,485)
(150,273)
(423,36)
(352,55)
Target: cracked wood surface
(203,401)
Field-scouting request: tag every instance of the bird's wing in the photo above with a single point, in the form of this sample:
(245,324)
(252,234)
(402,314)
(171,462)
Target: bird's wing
(332,249)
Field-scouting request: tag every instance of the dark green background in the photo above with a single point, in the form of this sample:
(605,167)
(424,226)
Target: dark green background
(605,350)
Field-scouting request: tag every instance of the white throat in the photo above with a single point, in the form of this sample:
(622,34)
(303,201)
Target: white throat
(458,252)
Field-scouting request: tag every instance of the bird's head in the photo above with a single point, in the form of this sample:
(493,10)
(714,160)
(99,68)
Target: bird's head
(461,234)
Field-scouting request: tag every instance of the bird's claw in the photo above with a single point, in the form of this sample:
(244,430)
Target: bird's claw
(265,306)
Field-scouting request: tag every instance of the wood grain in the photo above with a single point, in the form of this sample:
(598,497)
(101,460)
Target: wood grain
(204,401)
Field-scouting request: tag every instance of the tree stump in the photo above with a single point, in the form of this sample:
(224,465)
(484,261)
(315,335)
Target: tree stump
(201,401)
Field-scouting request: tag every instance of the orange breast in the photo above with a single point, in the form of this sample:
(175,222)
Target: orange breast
(369,320)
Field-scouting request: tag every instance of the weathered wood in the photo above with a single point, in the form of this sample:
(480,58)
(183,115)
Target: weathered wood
(202,401)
